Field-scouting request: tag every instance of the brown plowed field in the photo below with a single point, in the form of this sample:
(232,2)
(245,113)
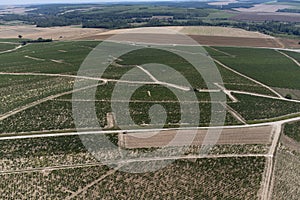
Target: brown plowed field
(236,41)
(215,40)
(248,135)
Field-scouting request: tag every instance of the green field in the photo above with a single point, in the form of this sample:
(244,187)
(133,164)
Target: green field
(254,108)
(68,54)
(66,57)
(264,65)
(17,91)
(293,54)
(6,46)
(70,167)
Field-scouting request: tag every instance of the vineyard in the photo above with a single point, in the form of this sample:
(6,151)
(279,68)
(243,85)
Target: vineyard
(286,183)
(201,178)
(265,65)
(38,102)
(7,46)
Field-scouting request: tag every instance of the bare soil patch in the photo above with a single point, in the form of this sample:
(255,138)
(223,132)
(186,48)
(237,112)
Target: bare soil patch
(56,33)
(263,8)
(192,30)
(247,135)
(236,41)
(202,40)
(284,91)
(222,3)
(15,10)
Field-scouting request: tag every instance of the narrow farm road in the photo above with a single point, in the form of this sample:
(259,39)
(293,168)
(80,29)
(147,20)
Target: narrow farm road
(163,83)
(269,171)
(11,50)
(80,190)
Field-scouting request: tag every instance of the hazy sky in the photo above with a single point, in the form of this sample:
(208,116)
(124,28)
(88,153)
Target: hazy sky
(14,2)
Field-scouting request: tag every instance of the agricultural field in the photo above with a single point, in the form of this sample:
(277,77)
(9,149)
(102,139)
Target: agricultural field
(286,181)
(6,46)
(36,83)
(64,58)
(239,177)
(293,54)
(292,130)
(56,57)
(265,65)
(253,108)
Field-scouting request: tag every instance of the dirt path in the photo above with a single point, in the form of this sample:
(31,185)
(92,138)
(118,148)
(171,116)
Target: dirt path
(265,96)
(234,113)
(34,58)
(163,83)
(12,50)
(225,53)
(227,92)
(110,172)
(50,168)
(279,42)
(266,191)
(95,78)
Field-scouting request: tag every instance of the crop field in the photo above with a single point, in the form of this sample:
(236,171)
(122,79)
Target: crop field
(64,58)
(33,32)
(233,81)
(201,30)
(36,83)
(260,135)
(223,178)
(57,115)
(286,182)
(6,46)
(292,130)
(264,65)
(185,179)
(38,153)
(294,55)
(17,91)
(26,154)
(56,57)
(253,108)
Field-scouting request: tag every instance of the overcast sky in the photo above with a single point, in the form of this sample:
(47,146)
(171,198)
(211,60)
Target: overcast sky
(16,2)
